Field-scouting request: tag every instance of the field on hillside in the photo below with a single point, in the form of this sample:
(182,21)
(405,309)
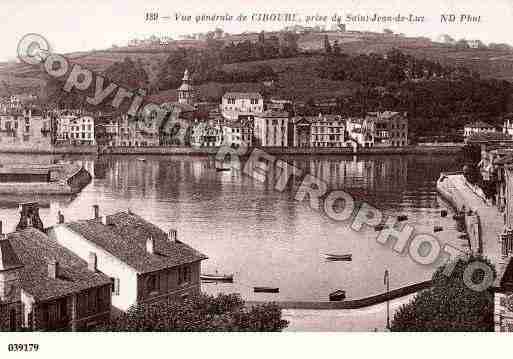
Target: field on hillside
(297,78)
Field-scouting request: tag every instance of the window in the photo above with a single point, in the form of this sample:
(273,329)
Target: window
(12,320)
(115,286)
(152,283)
(184,275)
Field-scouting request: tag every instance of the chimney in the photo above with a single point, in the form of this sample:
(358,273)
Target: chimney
(92,261)
(53,268)
(60,217)
(150,245)
(96,209)
(105,220)
(172,235)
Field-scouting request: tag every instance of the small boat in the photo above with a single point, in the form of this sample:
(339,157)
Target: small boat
(443,213)
(463,236)
(380,227)
(402,217)
(339,257)
(142,159)
(438,229)
(220,166)
(217,277)
(266,290)
(337,295)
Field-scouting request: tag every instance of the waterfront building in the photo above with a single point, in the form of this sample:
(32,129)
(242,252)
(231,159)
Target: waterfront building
(507,128)
(359,132)
(145,263)
(271,129)
(133,131)
(388,128)
(476,127)
(238,133)
(44,286)
(26,128)
(318,131)
(81,130)
(206,134)
(235,104)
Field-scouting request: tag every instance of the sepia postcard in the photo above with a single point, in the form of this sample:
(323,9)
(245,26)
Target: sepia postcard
(236,166)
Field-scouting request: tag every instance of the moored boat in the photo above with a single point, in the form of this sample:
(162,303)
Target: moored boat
(217,277)
(339,257)
(266,290)
(337,295)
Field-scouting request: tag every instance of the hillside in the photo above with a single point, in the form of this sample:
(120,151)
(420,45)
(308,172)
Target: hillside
(297,79)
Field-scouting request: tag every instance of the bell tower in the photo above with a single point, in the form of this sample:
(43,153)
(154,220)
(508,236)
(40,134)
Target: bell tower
(185,91)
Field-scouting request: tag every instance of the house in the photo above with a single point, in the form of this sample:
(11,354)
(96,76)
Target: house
(238,133)
(134,131)
(359,132)
(206,134)
(145,263)
(507,128)
(271,129)
(234,104)
(319,131)
(477,127)
(44,286)
(388,128)
(26,128)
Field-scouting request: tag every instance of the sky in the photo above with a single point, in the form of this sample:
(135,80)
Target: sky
(80,25)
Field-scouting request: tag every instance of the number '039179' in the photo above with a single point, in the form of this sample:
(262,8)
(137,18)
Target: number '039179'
(23,347)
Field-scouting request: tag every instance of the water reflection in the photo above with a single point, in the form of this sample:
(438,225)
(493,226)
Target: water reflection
(264,237)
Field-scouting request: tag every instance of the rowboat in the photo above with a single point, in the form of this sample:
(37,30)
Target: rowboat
(339,257)
(266,290)
(217,277)
(142,159)
(337,295)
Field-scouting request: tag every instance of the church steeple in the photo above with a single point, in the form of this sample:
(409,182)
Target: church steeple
(185,91)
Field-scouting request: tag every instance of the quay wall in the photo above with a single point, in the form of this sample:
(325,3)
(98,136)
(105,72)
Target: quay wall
(472,222)
(351,303)
(203,151)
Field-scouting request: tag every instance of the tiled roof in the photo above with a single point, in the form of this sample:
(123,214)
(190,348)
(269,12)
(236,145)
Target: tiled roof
(272,113)
(8,258)
(125,237)
(243,95)
(35,250)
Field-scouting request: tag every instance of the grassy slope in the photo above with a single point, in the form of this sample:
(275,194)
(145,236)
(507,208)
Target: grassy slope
(297,79)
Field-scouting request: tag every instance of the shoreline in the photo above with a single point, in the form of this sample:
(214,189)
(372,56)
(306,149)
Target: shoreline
(350,303)
(206,151)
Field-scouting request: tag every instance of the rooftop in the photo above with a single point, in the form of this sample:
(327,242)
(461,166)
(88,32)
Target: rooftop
(125,237)
(489,136)
(35,250)
(243,95)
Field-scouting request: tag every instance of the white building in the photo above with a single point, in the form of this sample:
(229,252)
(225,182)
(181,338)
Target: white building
(146,264)
(271,129)
(238,134)
(235,104)
(477,127)
(507,128)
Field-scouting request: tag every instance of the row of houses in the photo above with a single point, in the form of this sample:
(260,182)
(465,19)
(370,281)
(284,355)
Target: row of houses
(76,275)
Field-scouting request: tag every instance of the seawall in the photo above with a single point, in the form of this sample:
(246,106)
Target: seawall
(352,303)
(205,151)
(464,198)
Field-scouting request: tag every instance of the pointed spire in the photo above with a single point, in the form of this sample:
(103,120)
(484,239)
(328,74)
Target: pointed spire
(185,75)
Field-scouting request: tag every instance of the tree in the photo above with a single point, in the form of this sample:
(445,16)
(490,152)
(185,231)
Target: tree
(451,304)
(226,312)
